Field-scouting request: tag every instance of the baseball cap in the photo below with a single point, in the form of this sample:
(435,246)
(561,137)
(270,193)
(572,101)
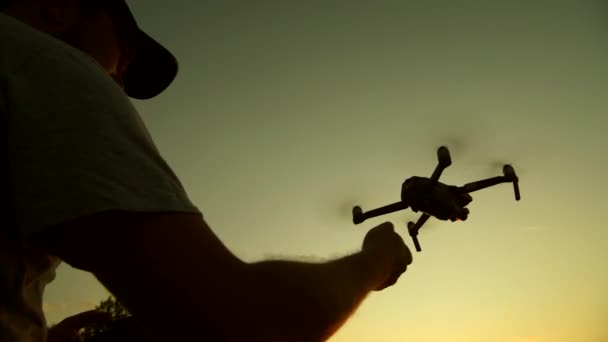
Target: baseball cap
(152,67)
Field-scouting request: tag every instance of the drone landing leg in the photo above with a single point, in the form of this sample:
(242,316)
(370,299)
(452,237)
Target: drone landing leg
(413,229)
(416,243)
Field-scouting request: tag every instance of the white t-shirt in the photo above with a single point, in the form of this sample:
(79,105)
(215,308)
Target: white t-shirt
(76,146)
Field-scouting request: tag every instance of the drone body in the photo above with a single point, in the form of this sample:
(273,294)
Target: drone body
(436,199)
(444,202)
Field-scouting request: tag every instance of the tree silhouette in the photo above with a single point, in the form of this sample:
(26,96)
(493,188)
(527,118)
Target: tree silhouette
(117,313)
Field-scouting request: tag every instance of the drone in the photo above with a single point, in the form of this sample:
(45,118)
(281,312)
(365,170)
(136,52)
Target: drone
(433,198)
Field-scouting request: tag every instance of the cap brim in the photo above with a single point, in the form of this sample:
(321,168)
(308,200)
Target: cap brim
(151,70)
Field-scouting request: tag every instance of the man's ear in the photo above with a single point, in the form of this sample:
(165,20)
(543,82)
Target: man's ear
(61,15)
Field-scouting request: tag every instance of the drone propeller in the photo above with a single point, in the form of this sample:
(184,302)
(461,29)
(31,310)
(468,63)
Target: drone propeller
(464,147)
(490,168)
(342,211)
(457,146)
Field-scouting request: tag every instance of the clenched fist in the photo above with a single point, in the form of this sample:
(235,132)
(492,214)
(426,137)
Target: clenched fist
(388,252)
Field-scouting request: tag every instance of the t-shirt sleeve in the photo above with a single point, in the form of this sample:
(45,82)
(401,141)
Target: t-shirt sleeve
(77,146)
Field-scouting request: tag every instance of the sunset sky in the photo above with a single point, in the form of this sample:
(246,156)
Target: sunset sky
(285,114)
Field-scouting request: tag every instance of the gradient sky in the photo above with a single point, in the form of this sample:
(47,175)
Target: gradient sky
(287,113)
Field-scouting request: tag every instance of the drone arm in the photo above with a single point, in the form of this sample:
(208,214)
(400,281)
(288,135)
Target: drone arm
(485,183)
(437,172)
(387,209)
(413,229)
(444,159)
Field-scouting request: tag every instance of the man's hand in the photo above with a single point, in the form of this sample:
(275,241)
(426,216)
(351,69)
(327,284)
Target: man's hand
(387,250)
(68,329)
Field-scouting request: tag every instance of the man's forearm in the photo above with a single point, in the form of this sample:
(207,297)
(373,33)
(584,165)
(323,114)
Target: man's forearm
(183,281)
(308,301)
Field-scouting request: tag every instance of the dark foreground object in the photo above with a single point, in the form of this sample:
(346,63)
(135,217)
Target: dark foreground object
(121,330)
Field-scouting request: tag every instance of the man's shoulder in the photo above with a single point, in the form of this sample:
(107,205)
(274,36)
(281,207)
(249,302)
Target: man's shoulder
(62,79)
(27,50)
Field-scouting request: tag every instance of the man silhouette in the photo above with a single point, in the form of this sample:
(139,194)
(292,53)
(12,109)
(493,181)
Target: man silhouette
(86,175)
